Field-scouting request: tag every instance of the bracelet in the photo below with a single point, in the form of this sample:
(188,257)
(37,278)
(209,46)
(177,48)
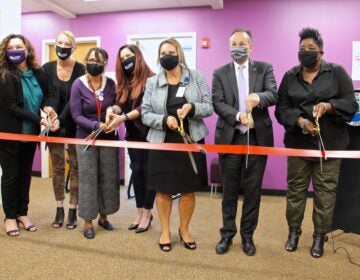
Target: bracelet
(126,117)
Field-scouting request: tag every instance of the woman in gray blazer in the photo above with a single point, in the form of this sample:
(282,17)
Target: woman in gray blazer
(176,93)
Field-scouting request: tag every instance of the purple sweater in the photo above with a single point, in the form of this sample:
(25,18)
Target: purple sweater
(83,106)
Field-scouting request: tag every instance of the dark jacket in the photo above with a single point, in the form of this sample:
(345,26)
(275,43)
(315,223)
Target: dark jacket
(297,98)
(63,91)
(12,112)
(226,101)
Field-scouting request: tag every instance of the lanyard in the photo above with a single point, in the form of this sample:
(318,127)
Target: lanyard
(98,97)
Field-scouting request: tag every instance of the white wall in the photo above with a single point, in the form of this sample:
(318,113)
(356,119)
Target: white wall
(10,17)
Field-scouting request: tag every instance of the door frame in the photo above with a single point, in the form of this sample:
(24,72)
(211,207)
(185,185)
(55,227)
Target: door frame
(46,43)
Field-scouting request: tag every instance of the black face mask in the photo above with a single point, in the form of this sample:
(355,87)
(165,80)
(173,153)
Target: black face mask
(94,69)
(169,62)
(63,53)
(128,65)
(308,59)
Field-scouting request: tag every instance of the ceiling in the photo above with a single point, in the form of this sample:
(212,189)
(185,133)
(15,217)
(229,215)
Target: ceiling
(72,8)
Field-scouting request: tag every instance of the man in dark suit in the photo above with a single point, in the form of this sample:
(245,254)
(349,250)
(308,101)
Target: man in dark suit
(242,92)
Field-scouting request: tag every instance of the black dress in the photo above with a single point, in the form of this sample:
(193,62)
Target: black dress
(172,172)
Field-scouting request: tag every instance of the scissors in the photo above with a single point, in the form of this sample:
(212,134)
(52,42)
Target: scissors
(46,130)
(188,140)
(320,142)
(92,136)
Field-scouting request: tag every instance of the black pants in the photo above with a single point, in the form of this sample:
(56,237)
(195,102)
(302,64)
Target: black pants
(235,175)
(139,166)
(16,179)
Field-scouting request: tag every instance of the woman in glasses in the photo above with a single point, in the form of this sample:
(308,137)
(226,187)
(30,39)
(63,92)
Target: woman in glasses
(91,94)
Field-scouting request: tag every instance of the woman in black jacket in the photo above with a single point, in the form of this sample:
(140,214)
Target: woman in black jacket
(62,73)
(24,91)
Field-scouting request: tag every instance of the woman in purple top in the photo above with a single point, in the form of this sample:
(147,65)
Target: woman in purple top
(98,167)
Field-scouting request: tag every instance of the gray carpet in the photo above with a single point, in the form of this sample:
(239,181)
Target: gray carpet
(65,254)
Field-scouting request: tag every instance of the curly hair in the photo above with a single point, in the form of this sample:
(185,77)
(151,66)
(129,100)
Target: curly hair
(137,83)
(6,67)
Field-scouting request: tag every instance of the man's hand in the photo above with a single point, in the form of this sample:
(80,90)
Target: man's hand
(252,101)
(244,119)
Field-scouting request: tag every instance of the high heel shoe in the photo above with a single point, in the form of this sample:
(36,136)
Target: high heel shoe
(31,227)
(293,239)
(187,245)
(166,247)
(12,233)
(140,229)
(317,248)
(133,226)
(59,217)
(72,219)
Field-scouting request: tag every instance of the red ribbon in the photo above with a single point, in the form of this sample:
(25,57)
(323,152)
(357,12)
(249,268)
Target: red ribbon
(210,148)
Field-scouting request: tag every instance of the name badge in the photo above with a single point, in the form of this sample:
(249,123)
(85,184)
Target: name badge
(180,92)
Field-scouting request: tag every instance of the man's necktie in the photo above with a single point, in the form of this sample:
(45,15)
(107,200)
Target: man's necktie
(242,89)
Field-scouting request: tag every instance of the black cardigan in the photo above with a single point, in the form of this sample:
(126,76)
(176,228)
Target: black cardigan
(63,109)
(12,112)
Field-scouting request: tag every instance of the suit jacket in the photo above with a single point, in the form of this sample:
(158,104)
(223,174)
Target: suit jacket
(12,112)
(226,101)
(154,112)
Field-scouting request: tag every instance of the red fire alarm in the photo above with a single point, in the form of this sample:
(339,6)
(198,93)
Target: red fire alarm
(205,43)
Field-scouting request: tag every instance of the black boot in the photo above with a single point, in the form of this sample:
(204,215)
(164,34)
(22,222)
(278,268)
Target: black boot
(317,248)
(59,217)
(293,239)
(72,219)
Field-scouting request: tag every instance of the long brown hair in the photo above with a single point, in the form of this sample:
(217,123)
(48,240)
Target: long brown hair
(6,67)
(137,83)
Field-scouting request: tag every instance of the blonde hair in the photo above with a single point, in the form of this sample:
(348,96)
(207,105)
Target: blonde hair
(69,35)
(178,47)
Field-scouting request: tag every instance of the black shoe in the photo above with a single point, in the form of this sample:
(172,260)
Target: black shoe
(72,219)
(59,217)
(105,225)
(248,246)
(223,246)
(89,233)
(317,248)
(140,229)
(326,238)
(293,239)
(188,245)
(133,226)
(165,247)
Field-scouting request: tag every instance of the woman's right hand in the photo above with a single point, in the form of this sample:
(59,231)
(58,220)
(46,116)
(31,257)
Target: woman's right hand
(113,122)
(172,123)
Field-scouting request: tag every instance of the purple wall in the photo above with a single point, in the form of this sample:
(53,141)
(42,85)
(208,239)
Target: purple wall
(274,23)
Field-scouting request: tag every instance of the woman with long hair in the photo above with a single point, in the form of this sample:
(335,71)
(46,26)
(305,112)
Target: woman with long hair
(25,90)
(131,75)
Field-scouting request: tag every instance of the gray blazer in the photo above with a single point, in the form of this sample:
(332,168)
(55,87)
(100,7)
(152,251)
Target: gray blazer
(226,101)
(153,111)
